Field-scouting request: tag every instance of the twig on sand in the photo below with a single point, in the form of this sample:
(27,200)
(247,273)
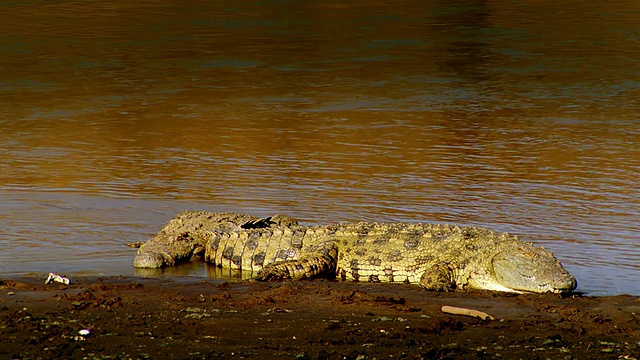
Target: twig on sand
(466,312)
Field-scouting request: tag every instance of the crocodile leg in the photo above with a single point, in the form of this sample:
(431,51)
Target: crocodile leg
(438,277)
(320,264)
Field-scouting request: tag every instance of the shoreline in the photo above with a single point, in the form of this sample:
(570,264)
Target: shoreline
(193,318)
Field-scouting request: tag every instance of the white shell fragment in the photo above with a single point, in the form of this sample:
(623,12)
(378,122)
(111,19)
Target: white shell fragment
(57,278)
(84,332)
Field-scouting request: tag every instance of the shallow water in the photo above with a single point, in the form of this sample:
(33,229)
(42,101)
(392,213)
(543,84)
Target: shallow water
(515,117)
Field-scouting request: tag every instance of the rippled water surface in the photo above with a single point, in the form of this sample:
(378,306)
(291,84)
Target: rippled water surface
(508,115)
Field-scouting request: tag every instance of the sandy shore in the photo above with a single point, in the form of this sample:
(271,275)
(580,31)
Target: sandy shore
(186,318)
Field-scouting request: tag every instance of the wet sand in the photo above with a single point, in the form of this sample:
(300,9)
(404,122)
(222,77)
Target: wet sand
(186,318)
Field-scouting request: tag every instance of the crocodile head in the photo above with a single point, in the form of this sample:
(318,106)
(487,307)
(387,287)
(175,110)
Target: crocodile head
(529,268)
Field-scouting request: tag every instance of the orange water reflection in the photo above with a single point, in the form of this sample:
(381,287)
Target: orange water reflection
(518,117)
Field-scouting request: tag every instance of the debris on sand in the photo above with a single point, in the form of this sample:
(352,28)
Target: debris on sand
(466,312)
(57,278)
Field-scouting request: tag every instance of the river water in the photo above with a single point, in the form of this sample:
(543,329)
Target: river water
(516,116)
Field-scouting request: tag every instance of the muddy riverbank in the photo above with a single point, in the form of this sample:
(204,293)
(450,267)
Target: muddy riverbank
(179,318)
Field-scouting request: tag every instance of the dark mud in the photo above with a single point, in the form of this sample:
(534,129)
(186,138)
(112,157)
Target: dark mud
(132,318)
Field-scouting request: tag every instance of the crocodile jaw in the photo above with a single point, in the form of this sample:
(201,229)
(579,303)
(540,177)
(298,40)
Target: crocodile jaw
(487,283)
(531,269)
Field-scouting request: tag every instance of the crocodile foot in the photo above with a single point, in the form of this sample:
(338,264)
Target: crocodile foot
(438,278)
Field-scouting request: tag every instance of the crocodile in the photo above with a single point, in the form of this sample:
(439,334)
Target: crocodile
(438,257)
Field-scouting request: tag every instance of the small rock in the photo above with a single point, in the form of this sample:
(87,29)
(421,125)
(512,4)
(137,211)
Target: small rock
(383,319)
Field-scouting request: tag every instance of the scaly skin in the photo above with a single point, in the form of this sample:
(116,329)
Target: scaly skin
(437,257)
(178,240)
